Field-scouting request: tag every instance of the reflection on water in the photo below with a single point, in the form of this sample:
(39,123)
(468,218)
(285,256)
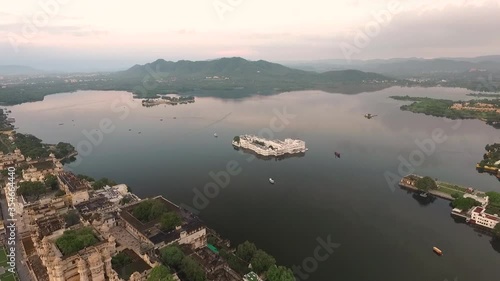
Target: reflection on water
(318,195)
(423,199)
(268,158)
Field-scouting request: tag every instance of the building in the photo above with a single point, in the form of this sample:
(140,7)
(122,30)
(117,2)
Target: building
(74,187)
(191,232)
(270,147)
(11,159)
(37,170)
(480,217)
(90,264)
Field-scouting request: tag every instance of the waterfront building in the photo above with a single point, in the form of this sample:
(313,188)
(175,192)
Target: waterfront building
(480,217)
(191,232)
(270,147)
(74,187)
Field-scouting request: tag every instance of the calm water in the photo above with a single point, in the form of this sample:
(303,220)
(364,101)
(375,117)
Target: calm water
(384,233)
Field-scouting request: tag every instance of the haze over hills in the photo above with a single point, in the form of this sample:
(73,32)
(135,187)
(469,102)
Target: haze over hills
(19,70)
(226,78)
(405,67)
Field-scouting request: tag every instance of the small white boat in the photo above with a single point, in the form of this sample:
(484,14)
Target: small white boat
(215,135)
(271,180)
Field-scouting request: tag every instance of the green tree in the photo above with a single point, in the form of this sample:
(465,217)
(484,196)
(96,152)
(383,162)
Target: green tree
(149,210)
(496,230)
(73,241)
(455,195)
(172,256)
(30,188)
(71,218)
(280,273)
(120,260)
(169,221)
(160,273)
(262,261)
(192,270)
(426,183)
(51,182)
(246,251)
(464,204)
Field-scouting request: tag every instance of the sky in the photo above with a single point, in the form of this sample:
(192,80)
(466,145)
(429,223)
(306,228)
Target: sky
(116,34)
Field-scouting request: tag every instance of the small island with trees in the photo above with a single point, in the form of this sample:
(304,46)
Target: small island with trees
(491,160)
(167,100)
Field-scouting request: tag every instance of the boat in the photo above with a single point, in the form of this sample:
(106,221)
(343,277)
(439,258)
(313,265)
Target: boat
(423,194)
(437,251)
(215,135)
(337,154)
(61,124)
(369,116)
(161,119)
(271,180)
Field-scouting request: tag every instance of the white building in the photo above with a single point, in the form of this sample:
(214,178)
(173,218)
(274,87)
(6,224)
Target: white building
(270,147)
(480,217)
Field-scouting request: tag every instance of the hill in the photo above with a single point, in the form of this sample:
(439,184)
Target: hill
(236,77)
(224,78)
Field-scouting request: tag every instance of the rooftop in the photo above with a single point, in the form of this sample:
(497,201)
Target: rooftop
(151,229)
(72,181)
(44,165)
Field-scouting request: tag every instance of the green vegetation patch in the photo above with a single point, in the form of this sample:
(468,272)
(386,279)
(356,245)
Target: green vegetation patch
(464,204)
(73,241)
(442,108)
(491,156)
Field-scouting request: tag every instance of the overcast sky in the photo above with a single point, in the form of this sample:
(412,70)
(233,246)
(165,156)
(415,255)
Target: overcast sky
(119,33)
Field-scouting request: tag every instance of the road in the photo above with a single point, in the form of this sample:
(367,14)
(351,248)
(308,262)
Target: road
(21,267)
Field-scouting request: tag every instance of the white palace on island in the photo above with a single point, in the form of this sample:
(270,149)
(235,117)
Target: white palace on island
(270,147)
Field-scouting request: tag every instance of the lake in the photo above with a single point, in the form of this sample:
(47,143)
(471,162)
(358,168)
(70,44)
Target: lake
(382,232)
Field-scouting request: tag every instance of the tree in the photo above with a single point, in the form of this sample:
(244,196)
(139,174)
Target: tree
(172,256)
(120,260)
(496,230)
(426,183)
(280,273)
(455,195)
(51,182)
(160,273)
(262,261)
(464,204)
(102,183)
(192,270)
(71,218)
(246,251)
(149,210)
(30,188)
(169,221)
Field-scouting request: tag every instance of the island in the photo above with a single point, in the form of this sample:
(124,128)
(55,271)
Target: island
(484,109)
(167,100)
(491,160)
(477,208)
(266,147)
